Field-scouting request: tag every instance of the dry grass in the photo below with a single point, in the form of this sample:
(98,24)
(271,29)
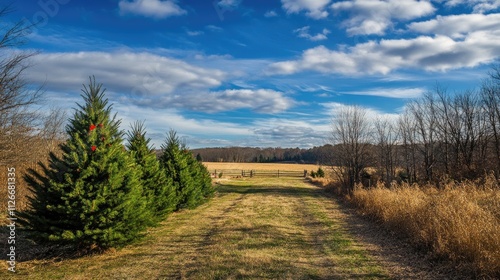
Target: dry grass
(459,221)
(253,228)
(22,191)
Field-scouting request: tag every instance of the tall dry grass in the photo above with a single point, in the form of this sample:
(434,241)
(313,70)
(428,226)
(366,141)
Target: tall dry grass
(459,221)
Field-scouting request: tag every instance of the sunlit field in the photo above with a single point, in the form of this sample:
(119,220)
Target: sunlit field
(259,166)
(254,228)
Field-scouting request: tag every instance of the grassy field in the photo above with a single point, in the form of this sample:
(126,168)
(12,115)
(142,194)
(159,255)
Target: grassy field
(259,166)
(253,229)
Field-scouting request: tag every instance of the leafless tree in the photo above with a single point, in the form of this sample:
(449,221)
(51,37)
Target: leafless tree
(406,125)
(20,123)
(352,135)
(387,136)
(490,96)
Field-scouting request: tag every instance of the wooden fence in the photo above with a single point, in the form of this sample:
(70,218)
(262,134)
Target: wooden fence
(238,173)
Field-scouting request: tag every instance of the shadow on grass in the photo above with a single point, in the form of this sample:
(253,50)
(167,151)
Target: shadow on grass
(286,190)
(26,249)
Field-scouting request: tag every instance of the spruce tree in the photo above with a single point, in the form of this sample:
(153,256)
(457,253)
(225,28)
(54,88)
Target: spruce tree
(90,195)
(157,187)
(177,163)
(202,178)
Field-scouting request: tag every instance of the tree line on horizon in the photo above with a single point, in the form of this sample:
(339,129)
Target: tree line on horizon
(315,155)
(438,137)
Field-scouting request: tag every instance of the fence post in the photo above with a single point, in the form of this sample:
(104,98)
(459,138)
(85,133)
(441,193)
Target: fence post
(251,173)
(305,173)
(278,173)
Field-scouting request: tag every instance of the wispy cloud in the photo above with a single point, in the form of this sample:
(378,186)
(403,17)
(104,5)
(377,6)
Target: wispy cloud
(313,8)
(214,28)
(194,33)
(151,8)
(478,6)
(391,92)
(303,32)
(270,14)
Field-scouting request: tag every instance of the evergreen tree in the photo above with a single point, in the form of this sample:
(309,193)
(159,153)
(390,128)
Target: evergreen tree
(202,178)
(157,187)
(199,158)
(91,195)
(177,163)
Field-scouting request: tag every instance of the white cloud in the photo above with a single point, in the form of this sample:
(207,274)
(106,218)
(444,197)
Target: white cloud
(299,133)
(391,92)
(314,8)
(478,6)
(214,28)
(269,14)
(371,114)
(159,121)
(229,4)
(437,53)
(153,81)
(259,100)
(303,32)
(375,16)
(151,8)
(458,26)
(141,73)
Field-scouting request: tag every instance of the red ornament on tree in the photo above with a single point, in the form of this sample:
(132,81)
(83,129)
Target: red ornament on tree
(93,148)
(101,125)
(92,127)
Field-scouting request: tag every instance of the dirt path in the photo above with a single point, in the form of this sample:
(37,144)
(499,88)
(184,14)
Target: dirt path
(256,229)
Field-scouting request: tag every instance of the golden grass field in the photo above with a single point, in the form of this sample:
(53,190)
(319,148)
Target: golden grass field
(259,166)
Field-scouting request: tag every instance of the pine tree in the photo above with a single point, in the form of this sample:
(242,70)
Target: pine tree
(157,187)
(177,163)
(202,178)
(90,196)
(199,158)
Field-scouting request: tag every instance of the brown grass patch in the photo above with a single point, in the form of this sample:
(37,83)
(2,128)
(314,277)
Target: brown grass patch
(459,221)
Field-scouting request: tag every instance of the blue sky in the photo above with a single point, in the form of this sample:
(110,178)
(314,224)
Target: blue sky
(257,73)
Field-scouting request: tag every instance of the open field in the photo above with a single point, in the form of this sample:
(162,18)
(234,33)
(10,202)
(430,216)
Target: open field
(259,166)
(234,170)
(253,228)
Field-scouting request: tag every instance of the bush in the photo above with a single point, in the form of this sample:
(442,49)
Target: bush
(320,173)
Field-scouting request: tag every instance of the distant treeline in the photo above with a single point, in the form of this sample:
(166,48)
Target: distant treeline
(319,155)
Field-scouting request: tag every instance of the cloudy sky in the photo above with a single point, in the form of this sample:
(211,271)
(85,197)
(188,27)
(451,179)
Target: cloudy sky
(257,72)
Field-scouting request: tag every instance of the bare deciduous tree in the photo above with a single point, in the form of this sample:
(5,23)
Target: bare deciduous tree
(20,123)
(351,134)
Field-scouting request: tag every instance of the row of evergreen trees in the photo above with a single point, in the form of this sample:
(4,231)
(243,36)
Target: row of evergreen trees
(101,194)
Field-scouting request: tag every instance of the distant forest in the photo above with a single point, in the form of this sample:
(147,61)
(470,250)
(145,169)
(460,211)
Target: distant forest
(316,155)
